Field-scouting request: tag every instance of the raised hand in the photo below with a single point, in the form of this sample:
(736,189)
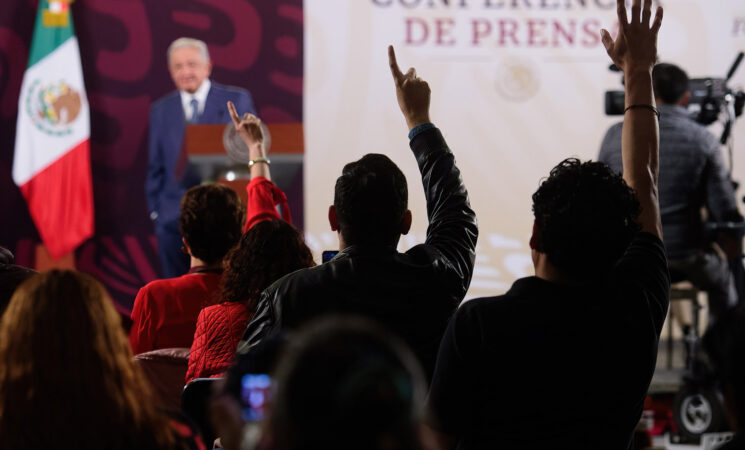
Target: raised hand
(412,92)
(248,127)
(635,52)
(635,47)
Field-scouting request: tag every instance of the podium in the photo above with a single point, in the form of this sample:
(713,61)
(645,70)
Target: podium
(203,146)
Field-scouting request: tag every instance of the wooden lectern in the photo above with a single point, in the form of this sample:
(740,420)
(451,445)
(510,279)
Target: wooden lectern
(287,138)
(204,149)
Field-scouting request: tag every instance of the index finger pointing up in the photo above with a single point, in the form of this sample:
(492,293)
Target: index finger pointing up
(398,76)
(233,113)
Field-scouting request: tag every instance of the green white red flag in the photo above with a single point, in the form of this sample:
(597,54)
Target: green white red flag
(51,165)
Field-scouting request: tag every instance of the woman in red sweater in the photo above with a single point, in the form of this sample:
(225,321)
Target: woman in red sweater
(165,311)
(267,252)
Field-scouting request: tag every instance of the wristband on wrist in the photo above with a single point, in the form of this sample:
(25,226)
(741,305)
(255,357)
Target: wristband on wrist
(420,128)
(259,160)
(642,106)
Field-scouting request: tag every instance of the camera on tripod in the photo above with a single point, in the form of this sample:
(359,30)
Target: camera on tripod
(710,97)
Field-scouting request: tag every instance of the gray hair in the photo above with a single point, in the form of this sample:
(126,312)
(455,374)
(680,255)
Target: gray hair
(189,42)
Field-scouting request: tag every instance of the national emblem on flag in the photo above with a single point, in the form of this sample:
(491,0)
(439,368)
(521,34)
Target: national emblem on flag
(51,165)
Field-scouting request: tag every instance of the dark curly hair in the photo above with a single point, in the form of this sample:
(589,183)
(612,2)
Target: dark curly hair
(267,252)
(211,220)
(586,216)
(371,199)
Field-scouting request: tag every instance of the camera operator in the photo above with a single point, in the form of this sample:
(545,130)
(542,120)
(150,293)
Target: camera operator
(692,177)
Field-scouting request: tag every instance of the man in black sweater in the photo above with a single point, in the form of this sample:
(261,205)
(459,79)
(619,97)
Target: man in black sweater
(564,358)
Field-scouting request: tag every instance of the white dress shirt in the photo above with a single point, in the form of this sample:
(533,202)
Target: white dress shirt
(200,95)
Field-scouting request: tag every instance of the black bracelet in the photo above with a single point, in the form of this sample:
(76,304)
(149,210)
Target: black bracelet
(649,107)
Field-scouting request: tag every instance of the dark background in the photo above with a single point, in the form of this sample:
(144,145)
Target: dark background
(256,44)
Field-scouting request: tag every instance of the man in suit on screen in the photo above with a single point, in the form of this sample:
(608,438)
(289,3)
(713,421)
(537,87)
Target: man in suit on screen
(196,100)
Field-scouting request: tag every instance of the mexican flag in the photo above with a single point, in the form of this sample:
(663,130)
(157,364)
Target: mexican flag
(51,165)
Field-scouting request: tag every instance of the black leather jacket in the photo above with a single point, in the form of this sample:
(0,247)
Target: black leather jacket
(413,294)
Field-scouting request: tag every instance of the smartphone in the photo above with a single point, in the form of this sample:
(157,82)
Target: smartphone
(328,255)
(255,395)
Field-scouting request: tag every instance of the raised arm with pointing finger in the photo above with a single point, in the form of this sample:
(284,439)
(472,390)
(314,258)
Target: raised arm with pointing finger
(452,223)
(263,195)
(249,129)
(412,92)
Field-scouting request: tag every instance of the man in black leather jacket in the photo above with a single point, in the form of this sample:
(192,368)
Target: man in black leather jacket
(413,294)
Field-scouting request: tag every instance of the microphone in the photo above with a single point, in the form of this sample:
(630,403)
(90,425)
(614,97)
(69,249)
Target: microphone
(735,65)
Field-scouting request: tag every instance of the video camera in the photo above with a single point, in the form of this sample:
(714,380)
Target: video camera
(709,98)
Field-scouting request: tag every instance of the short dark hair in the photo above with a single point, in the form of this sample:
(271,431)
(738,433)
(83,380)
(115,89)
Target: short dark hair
(343,382)
(670,82)
(586,216)
(371,199)
(211,220)
(265,253)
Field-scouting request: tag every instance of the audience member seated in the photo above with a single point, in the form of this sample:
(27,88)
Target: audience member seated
(268,251)
(413,294)
(165,311)
(67,379)
(725,345)
(564,358)
(11,276)
(341,383)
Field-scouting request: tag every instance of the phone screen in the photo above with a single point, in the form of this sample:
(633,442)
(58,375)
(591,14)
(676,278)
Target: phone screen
(255,394)
(328,255)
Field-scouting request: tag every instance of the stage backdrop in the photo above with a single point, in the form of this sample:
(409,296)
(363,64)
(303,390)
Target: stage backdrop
(517,85)
(255,44)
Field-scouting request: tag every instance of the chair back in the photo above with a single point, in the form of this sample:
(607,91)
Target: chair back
(194,403)
(165,369)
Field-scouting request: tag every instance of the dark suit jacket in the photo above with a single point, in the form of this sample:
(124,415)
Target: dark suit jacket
(164,187)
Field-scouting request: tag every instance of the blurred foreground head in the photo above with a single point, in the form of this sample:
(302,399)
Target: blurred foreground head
(67,379)
(345,383)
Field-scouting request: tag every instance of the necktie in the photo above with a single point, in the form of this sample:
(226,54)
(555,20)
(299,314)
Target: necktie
(194,110)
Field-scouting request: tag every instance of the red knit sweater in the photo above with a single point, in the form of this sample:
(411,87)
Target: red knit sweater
(219,328)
